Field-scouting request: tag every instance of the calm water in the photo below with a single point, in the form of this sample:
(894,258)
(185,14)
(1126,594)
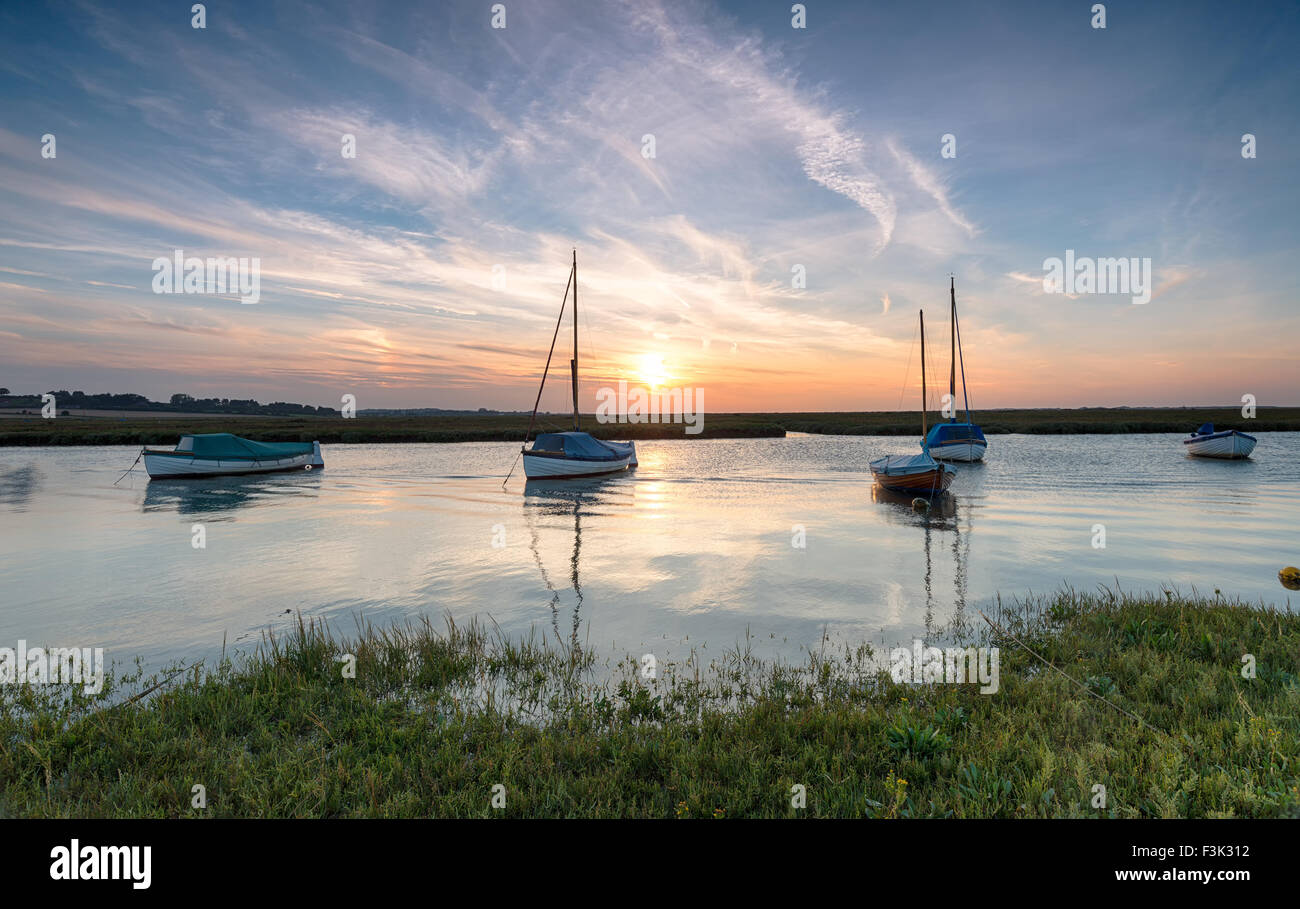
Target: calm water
(693,550)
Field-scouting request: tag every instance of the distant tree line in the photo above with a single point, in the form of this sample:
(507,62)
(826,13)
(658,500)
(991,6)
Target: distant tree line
(179,403)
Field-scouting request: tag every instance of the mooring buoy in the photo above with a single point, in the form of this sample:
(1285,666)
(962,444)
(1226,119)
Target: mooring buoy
(1290,578)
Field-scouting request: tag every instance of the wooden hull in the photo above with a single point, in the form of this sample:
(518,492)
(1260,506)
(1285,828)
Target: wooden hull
(538,467)
(1229,445)
(914,474)
(931,481)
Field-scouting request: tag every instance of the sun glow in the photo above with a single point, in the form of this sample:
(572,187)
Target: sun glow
(653,373)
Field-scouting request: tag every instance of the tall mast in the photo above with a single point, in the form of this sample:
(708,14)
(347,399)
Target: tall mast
(952,374)
(956,330)
(574,362)
(923,377)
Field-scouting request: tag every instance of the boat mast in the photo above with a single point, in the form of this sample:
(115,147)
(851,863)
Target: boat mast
(573,364)
(923,377)
(956,331)
(952,373)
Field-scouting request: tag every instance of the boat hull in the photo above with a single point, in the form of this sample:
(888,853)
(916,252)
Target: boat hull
(169,465)
(966,451)
(903,474)
(929,482)
(171,468)
(1230,445)
(628,447)
(537,467)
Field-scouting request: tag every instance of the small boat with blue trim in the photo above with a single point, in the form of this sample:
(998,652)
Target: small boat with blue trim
(557,455)
(953,441)
(1229,443)
(918,474)
(220,454)
(574,454)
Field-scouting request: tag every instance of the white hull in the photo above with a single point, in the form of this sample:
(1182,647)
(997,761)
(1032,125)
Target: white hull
(160,465)
(1233,446)
(959,451)
(538,467)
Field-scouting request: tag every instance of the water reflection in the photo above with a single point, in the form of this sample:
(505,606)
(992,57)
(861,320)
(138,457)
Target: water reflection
(694,551)
(220,494)
(941,511)
(571,501)
(940,514)
(17,486)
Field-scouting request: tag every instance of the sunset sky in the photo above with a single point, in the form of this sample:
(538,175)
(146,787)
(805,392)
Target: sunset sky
(774,147)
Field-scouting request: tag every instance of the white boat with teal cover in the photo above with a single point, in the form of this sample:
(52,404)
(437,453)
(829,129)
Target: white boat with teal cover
(220,454)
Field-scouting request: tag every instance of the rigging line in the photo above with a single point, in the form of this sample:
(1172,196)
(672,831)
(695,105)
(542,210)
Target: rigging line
(532,419)
(961,357)
(549,354)
(908,371)
(931,383)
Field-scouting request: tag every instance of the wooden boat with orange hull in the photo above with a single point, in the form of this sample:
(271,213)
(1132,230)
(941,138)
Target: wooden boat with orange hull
(919,474)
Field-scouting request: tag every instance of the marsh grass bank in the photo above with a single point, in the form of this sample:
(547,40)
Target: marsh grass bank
(433,720)
(165,429)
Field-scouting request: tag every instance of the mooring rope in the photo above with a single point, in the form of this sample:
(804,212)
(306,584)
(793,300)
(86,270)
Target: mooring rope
(1000,630)
(131,468)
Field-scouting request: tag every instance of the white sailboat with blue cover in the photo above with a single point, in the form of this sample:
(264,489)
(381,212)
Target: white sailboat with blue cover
(558,455)
(954,441)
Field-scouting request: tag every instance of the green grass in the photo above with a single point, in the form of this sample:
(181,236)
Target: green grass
(433,720)
(165,430)
(85,430)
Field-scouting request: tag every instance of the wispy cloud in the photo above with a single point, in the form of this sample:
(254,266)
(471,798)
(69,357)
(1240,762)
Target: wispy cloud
(429,268)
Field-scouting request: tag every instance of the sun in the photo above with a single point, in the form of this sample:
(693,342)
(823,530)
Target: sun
(653,372)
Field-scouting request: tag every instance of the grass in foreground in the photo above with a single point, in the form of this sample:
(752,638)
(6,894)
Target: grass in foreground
(432,721)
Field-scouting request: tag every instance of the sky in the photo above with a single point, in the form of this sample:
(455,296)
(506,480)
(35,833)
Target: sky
(429,269)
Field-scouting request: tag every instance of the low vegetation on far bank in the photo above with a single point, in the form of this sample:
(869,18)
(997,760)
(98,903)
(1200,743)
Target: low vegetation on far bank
(165,429)
(432,722)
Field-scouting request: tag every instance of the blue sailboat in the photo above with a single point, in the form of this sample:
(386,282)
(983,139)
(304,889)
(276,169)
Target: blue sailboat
(955,441)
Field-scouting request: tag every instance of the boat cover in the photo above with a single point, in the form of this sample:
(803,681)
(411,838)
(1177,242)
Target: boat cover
(1207,429)
(578,445)
(944,433)
(905,464)
(225,446)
